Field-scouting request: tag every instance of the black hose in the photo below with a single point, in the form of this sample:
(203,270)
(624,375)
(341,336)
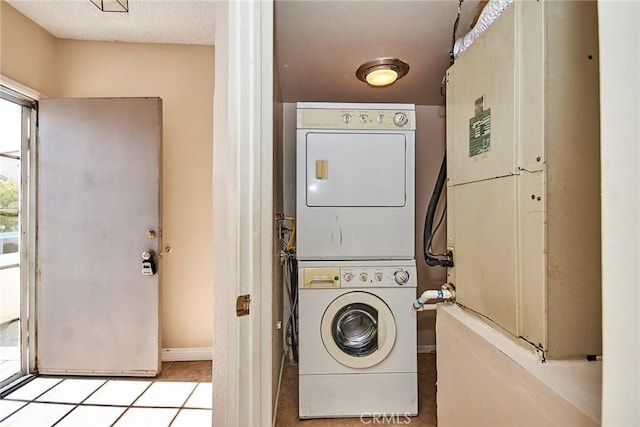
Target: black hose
(453,37)
(428,221)
(293,275)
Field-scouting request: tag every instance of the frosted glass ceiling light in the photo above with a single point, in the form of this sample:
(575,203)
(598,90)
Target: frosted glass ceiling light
(112,5)
(382,71)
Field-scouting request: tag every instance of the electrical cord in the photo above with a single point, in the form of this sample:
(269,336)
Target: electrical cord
(428,232)
(444,212)
(290,246)
(453,37)
(291,283)
(294,317)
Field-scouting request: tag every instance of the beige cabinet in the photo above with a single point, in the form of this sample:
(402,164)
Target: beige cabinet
(524,176)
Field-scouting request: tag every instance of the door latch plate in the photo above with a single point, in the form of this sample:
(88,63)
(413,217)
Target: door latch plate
(242,305)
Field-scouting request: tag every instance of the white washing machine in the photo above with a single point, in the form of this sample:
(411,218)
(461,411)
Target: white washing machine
(355,181)
(357,336)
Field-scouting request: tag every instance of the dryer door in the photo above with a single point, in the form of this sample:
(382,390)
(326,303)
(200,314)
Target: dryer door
(358,329)
(356,169)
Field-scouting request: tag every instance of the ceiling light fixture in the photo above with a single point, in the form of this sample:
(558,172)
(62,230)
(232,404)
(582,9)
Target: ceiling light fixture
(382,71)
(112,5)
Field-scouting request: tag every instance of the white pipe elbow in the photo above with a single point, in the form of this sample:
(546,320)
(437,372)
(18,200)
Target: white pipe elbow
(420,303)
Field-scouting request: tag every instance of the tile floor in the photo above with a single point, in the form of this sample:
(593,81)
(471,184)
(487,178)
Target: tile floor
(287,415)
(179,397)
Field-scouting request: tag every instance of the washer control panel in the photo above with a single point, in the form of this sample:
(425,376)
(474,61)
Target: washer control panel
(377,276)
(358,277)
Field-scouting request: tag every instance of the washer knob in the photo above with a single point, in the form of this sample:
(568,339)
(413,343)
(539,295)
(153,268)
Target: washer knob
(379,277)
(346,118)
(363,277)
(364,118)
(401,277)
(400,119)
(348,277)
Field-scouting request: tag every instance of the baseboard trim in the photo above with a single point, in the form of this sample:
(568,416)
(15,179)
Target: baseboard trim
(428,348)
(186,354)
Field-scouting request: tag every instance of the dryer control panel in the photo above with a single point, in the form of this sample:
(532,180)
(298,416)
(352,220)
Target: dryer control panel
(357,117)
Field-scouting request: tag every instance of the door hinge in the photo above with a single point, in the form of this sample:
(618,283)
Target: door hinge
(242,305)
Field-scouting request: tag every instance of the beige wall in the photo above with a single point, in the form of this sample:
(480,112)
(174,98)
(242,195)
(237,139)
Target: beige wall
(27,52)
(430,145)
(289,157)
(183,77)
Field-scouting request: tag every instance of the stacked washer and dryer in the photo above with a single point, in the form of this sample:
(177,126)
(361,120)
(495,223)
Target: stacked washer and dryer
(356,260)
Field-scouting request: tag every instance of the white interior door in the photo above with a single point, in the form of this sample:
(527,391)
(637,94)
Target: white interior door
(98,195)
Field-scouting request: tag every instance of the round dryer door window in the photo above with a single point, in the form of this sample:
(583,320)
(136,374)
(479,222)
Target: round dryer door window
(358,329)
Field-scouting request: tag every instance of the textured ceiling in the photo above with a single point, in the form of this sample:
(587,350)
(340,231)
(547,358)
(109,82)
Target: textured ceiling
(318,44)
(148,21)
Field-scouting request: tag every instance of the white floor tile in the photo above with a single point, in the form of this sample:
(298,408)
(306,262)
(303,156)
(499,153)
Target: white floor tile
(71,391)
(33,389)
(202,397)
(193,418)
(37,414)
(92,416)
(118,393)
(147,417)
(7,407)
(166,394)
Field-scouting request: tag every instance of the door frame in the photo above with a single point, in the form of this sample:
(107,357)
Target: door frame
(243,212)
(28,226)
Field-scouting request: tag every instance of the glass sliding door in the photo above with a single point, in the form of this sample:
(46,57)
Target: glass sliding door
(17,116)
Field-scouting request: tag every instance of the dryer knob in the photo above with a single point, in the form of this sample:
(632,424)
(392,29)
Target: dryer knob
(400,119)
(401,277)
(346,118)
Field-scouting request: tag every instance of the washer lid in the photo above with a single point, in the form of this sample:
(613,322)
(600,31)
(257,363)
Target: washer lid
(358,330)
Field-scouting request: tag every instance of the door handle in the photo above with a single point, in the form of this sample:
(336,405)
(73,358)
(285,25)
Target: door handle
(322,169)
(321,282)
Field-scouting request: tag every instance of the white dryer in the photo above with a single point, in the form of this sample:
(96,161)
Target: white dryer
(357,335)
(355,181)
